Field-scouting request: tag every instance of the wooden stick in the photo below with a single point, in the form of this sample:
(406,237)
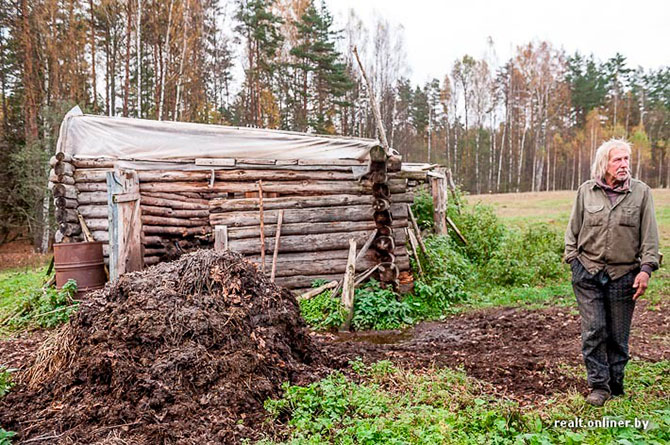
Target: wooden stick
(348,286)
(458,232)
(416,230)
(318,290)
(276,252)
(362,277)
(375,107)
(87,233)
(366,246)
(260,214)
(412,243)
(220,238)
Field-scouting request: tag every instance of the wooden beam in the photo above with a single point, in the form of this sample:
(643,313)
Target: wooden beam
(220,238)
(276,252)
(348,287)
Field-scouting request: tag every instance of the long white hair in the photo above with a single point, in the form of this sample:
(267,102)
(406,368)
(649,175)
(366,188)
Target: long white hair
(602,157)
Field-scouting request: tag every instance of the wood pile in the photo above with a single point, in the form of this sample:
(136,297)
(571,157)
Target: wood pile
(323,207)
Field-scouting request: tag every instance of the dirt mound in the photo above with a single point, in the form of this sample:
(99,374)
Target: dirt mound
(181,352)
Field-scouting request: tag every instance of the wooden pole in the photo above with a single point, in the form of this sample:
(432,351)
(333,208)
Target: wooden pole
(260,211)
(276,252)
(348,286)
(412,243)
(220,238)
(367,245)
(416,230)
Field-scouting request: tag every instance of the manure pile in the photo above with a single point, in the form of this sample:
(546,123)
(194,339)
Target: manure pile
(182,352)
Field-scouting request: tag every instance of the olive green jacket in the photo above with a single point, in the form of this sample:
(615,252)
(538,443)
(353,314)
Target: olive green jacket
(617,238)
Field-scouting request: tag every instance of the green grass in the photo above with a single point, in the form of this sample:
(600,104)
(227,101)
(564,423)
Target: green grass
(394,406)
(25,304)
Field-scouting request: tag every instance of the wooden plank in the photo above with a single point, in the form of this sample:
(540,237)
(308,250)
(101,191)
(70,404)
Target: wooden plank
(125,225)
(330,265)
(215,161)
(438,188)
(312,215)
(283,187)
(89,175)
(317,291)
(348,287)
(277,241)
(262,227)
(309,228)
(331,162)
(220,238)
(416,230)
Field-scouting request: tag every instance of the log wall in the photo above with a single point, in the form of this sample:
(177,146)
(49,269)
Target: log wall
(324,206)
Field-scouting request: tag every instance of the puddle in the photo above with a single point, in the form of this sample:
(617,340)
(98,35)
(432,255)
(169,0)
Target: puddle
(375,337)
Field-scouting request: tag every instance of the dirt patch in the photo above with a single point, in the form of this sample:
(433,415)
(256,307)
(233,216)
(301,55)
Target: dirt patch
(184,352)
(16,351)
(19,254)
(519,351)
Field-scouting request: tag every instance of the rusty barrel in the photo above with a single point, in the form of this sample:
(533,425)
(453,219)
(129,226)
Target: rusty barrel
(82,262)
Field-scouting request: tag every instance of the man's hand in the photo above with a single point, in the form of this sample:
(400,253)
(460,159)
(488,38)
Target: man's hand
(641,283)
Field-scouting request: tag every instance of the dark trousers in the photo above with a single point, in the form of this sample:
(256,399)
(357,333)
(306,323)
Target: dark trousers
(606,308)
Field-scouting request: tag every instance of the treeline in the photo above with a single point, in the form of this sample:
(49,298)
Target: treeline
(528,123)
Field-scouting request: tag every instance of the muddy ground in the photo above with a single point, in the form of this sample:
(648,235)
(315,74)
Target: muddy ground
(520,352)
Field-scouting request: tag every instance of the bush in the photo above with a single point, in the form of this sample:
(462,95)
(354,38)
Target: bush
(422,208)
(526,257)
(482,230)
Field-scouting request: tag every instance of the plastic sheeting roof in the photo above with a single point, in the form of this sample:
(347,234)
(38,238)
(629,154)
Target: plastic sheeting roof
(87,136)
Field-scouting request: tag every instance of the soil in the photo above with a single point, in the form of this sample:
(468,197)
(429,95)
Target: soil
(519,351)
(186,352)
(20,254)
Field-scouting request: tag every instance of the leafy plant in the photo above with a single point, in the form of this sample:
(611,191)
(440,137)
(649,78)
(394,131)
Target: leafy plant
(323,311)
(5,381)
(5,436)
(423,209)
(378,308)
(46,307)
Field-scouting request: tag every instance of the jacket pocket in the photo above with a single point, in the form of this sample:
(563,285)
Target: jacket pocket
(594,215)
(629,216)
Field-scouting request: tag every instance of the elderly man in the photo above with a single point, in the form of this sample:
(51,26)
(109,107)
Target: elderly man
(611,244)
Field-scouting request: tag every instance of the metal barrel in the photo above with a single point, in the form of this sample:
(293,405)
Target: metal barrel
(82,262)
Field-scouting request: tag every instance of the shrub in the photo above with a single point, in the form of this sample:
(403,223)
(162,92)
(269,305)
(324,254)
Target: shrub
(48,307)
(482,230)
(422,208)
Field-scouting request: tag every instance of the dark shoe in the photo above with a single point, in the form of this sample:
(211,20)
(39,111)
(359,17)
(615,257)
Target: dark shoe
(616,389)
(598,397)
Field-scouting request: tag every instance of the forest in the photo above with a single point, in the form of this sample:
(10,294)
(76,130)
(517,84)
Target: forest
(529,123)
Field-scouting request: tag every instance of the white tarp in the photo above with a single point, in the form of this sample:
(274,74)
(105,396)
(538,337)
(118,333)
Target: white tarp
(86,136)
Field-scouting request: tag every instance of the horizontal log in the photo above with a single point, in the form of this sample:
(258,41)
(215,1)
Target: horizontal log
(304,281)
(100,235)
(222,205)
(284,187)
(410,174)
(328,266)
(172,203)
(154,220)
(97,223)
(69,229)
(53,160)
(180,231)
(64,169)
(64,191)
(307,228)
(63,157)
(93,163)
(176,196)
(91,186)
(311,215)
(63,179)
(66,203)
(97,175)
(154,251)
(65,215)
(158,211)
(322,254)
(150,260)
(87,198)
(300,243)
(147,240)
(93,211)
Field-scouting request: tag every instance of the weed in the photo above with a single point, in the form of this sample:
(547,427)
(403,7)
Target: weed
(377,308)
(5,381)
(323,311)
(5,436)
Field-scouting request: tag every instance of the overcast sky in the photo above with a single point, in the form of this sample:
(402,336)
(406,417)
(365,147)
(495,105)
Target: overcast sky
(438,32)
